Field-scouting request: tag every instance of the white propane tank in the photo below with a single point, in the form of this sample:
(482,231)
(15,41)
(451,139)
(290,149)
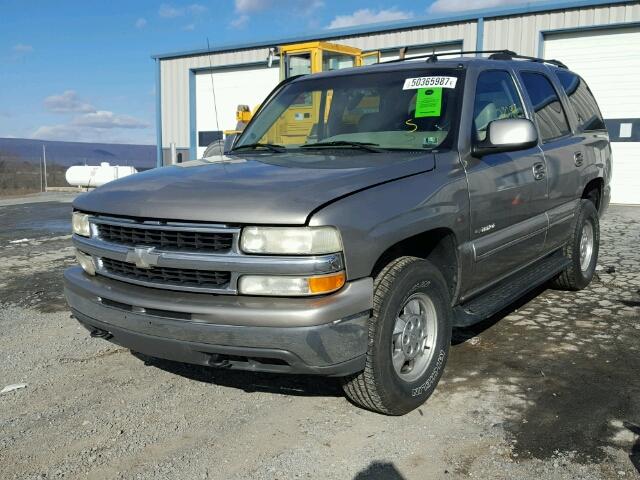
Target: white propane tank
(95,176)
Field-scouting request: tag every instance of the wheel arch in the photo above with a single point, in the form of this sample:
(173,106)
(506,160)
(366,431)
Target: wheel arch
(438,245)
(593,191)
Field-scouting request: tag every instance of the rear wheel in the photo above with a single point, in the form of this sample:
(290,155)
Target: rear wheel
(409,337)
(582,249)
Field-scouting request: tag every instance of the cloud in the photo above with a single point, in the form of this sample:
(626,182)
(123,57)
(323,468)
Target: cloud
(141,23)
(88,124)
(107,119)
(251,6)
(240,22)
(169,11)
(74,133)
(189,27)
(67,102)
(100,126)
(21,48)
(307,8)
(366,16)
(298,6)
(197,9)
(447,6)
(245,8)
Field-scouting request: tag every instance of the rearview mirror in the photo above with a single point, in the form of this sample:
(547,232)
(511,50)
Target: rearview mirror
(507,135)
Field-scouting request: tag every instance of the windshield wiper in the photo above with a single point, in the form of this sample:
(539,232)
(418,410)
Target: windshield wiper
(368,146)
(253,146)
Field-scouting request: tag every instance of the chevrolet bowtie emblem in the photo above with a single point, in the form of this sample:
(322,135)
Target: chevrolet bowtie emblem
(143,257)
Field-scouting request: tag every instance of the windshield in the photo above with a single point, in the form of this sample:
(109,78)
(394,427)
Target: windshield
(408,110)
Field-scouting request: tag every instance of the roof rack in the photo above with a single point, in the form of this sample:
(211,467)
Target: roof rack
(494,55)
(509,55)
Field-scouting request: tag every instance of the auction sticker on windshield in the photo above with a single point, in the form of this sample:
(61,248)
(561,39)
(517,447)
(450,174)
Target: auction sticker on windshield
(421,82)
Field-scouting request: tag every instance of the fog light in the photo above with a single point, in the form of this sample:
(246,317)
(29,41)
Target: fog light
(284,286)
(86,262)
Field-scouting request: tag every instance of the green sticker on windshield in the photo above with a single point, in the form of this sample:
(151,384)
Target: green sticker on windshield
(428,102)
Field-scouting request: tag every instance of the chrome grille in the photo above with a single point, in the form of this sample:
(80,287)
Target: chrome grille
(187,256)
(165,238)
(165,276)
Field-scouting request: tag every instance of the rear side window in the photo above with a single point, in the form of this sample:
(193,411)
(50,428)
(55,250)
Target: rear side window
(496,98)
(550,116)
(582,101)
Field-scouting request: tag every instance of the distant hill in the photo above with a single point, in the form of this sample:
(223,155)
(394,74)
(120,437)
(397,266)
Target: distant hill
(66,154)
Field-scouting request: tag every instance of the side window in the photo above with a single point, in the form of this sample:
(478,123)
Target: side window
(550,116)
(496,98)
(582,101)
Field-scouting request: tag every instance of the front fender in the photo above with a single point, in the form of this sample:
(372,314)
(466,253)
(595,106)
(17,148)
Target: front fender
(373,220)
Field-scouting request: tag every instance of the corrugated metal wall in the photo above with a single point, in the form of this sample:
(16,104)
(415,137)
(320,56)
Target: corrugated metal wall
(520,33)
(465,32)
(175,89)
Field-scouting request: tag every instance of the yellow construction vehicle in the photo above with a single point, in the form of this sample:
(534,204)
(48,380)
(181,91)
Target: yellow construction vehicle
(303,59)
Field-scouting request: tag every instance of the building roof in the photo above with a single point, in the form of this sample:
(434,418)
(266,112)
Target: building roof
(530,7)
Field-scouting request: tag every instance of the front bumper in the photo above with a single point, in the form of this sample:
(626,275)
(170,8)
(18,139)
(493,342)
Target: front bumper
(325,335)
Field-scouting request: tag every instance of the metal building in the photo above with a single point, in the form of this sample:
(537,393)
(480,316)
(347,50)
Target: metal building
(599,39)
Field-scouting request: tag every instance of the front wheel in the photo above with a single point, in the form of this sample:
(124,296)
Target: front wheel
(409,338)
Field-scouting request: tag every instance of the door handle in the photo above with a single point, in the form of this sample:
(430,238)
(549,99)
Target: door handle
(578,158)
(539,171)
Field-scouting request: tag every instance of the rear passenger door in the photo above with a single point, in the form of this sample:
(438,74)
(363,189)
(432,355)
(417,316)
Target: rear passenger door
(562,151)
(507,202)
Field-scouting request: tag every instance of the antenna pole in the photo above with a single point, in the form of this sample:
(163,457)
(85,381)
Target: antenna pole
(213,91)
(44,160)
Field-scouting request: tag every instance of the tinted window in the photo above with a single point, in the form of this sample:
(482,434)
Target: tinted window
(582,101)
(550,116)
(496,98)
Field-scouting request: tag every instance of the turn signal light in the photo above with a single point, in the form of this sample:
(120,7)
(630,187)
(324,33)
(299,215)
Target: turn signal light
(288,286)
(326,283)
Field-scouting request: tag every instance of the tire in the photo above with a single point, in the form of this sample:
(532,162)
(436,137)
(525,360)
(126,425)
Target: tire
(580,272)
(416,289)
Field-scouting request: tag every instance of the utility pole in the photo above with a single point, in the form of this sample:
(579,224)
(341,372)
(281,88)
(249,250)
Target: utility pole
(44,160)
(41,184)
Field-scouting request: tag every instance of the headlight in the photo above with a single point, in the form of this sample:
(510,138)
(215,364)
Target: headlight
(291,240)
(86,262)
(80,223)
(285,286)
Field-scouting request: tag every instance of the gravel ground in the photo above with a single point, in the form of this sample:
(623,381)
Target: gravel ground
(548,389)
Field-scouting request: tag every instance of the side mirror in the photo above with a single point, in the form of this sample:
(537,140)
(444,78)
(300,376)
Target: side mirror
(507,135)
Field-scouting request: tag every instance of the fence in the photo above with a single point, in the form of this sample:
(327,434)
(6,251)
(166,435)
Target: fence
(19,175)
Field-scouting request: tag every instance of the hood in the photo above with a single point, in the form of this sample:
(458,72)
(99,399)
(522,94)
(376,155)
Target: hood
(257,188)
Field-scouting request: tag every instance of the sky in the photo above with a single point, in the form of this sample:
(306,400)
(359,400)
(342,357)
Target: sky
(82,70)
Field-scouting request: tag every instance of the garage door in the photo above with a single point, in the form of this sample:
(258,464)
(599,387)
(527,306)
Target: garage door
(609,60)
(423,50)
(233,87)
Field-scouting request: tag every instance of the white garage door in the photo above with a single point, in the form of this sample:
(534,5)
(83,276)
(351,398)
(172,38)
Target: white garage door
(233,87)
(609,61)
(412,52)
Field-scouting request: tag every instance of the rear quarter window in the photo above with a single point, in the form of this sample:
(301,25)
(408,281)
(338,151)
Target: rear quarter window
(581,100)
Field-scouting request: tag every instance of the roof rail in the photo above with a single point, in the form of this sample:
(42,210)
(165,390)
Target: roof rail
(433,57)
(509,55)
(494,55)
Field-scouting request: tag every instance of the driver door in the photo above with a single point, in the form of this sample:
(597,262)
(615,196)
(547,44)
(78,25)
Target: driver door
(507,197)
